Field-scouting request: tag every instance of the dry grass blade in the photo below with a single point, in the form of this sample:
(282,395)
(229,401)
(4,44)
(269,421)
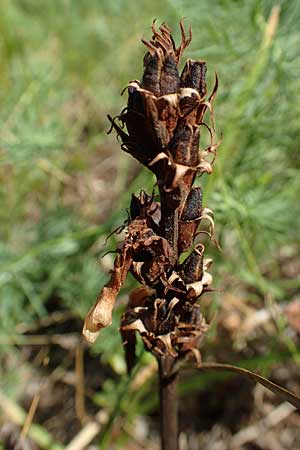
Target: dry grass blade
(278,390)
(36,432)
(79,392)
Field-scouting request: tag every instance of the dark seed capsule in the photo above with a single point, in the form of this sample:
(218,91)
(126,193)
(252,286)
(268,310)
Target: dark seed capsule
(193,76)
(135,101)
(143,206)
(180,144)
(189,219)
(193,205)
(169,79)
(135,207)
(187,231)
(129,342)
(188,101)
(151,77)
(192,267)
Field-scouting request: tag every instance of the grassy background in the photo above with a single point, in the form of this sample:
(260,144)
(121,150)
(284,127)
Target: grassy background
(65,184)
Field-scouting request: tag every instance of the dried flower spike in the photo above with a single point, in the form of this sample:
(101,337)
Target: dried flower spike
(162,118)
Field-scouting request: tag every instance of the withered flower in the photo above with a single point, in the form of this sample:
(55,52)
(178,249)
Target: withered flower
(162,118)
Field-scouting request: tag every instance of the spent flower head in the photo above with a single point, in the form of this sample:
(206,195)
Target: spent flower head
(161,128)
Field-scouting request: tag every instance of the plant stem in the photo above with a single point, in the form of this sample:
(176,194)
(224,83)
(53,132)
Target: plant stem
(168,403)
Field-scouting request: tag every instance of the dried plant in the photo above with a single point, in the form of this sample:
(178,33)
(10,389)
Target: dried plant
(161,127)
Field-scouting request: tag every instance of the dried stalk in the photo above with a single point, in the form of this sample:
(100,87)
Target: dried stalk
(168,403)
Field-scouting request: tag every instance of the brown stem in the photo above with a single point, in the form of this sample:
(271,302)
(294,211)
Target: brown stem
(168,403)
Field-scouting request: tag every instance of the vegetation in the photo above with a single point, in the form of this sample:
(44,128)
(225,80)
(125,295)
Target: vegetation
(65,186)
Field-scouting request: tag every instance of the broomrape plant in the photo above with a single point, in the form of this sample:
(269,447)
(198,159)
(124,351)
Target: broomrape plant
(161,127)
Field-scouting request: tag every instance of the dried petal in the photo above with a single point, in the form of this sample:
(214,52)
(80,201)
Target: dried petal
(100,315)
(137,325)
(193,76)
(167,342)
(192,268)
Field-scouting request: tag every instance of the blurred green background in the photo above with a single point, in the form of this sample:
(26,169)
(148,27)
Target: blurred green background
(65,183)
